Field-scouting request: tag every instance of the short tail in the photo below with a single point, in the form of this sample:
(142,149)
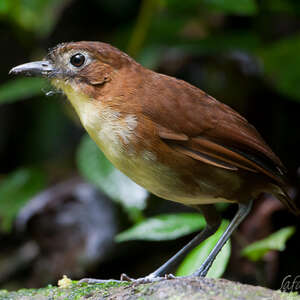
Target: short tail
(289,201)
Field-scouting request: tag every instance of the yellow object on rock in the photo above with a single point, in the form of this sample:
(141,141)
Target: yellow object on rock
(65,282)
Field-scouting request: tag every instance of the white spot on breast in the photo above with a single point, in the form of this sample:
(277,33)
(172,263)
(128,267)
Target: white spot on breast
(150,156)
(89,115)
(131,121)
(126,130)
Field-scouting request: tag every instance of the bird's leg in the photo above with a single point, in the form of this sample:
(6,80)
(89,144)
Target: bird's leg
(213,222)
(242,212)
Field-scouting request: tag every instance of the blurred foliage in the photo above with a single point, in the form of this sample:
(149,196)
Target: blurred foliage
(280,59)
(15,190)
(242,7)
(197,256)
(21,88)
(147,11)
(173,226)
(97,169)
(163,227)
(33,15)
(282,6)
(275,241)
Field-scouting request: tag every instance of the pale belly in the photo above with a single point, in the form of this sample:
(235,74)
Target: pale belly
(111,131)
(157,178)
(164,182)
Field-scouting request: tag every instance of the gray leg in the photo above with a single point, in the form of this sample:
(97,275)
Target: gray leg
(242,212)
(212,224)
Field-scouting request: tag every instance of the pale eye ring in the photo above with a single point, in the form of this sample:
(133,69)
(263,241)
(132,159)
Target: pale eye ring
(77,60)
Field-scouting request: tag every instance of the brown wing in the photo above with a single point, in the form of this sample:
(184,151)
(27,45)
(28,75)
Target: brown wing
(199,126)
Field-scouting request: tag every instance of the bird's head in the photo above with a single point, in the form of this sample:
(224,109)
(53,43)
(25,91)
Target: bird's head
(83,66)
(99,80)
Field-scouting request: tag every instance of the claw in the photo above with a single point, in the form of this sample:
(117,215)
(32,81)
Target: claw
(202,272)
(148,279)
(125,277)
(169,276)
(142,280)
(92,280)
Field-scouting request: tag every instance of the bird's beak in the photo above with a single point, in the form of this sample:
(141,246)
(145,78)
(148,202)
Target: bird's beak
(37,68)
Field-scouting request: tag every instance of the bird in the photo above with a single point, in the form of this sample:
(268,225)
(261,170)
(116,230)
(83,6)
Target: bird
(167,135)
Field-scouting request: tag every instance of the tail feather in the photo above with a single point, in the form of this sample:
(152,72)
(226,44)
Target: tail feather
(289,202)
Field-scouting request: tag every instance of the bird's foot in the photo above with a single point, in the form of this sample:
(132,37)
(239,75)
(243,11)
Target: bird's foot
(93,281)
(148,279)
(201,272)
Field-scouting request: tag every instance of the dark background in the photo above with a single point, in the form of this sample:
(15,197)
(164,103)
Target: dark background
(244,53)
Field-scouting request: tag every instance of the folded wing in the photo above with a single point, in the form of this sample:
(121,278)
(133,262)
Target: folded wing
(205,129)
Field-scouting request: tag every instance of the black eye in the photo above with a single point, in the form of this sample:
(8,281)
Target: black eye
(77,60)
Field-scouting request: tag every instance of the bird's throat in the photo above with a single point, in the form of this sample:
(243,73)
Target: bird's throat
(112,131)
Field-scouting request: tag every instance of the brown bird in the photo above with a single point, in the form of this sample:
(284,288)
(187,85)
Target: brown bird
(167,135)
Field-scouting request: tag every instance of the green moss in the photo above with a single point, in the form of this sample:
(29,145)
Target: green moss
(289,296)
(192,288)
(76,291)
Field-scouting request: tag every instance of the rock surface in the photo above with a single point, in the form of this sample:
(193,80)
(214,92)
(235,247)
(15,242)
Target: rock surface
(174,289)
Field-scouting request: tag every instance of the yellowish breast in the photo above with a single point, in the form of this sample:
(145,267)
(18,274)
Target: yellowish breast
(115,134)
(110,129)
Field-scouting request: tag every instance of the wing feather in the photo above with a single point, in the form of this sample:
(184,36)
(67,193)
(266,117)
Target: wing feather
(201,127)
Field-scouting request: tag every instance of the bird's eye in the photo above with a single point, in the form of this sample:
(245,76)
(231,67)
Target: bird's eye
(77,60)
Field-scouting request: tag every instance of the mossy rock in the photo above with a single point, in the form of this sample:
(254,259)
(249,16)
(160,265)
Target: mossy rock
(173,289)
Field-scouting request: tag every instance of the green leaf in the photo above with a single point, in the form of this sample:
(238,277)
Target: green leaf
(287,6)
(163,227)
(275,241)
(95,167)
(156,46)
(196,257)
(35,15)
(21,88)
(280,60)
(190,6)
(241,7)
(15,190)
(4,6)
